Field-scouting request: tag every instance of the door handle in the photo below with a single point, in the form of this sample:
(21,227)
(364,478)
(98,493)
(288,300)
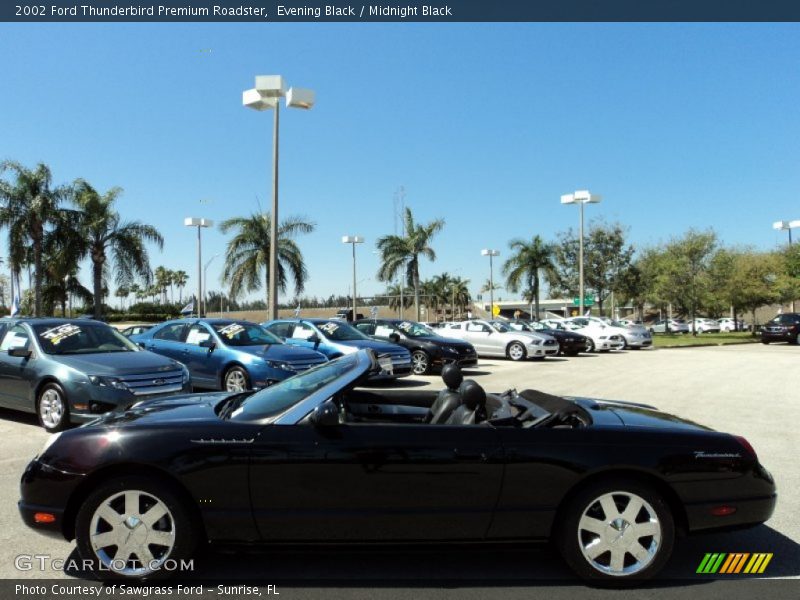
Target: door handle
(467,455)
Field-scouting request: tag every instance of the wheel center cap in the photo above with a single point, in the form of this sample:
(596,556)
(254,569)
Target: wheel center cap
(617,529)
(132,522)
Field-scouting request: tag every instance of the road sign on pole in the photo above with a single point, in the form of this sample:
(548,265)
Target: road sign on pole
(587,301)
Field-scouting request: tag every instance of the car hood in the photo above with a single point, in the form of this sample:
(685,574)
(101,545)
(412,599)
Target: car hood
(279,352)
(445,341)
(188,408)
(376,346)
(111,364)
(631,414)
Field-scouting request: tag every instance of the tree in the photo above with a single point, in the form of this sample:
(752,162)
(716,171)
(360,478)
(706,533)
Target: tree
(180,279)
(393,297)
(685,279)
(401,253)
(529,260)
(247,254)
(30,205)
(111,240)
(163,279)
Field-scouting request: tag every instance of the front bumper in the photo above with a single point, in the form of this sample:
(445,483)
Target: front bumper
(640,342)
(44,489)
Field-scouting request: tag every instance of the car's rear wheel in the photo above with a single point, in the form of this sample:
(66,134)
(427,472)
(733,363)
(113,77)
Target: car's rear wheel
(236,380)
(420,362)
(52,408)
(616,532)
(590,345)
(134,527)
(516,351)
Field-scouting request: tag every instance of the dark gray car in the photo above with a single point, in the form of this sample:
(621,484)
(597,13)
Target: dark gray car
(71,371)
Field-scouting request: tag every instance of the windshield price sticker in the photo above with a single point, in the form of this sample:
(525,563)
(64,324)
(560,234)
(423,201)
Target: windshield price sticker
(329,328)
(405,326)
(386,364)
(231,330)
(56,334)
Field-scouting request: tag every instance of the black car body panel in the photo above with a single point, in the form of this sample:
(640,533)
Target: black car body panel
(383,474)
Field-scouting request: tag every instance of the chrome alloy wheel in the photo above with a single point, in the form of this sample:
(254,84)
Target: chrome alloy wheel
(419,362)
(132,533)
(619,533)
(235,381)
(51,408)
(516,351)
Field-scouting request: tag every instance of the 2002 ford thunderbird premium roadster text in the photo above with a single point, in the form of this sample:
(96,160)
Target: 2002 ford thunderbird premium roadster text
(313,459)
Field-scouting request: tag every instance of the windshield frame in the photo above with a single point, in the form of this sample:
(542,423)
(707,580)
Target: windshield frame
(363,364)
(227,323)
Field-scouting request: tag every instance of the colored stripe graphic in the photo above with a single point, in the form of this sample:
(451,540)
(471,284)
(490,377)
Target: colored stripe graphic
(734,563)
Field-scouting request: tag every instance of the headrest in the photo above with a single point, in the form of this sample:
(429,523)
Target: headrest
(472,395)
(452,376)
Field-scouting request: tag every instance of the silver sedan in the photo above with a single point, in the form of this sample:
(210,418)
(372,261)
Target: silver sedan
(496,338)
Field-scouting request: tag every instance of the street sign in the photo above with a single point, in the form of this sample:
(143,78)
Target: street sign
(587,301)
(495,310)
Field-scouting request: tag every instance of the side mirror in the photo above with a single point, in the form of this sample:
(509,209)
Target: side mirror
(325,415)
(394,337)
(314,339)
(140,344)
(20,352)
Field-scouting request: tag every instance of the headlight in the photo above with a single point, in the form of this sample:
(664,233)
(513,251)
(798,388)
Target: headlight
(50,441)
(449,349)
(113,382)
(536,342)
(283,366)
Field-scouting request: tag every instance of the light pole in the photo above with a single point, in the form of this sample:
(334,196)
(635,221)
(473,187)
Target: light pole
(266,95)
(580,198)
(205,283)
(491,254)
(787,226)
(199,223)
(353,240)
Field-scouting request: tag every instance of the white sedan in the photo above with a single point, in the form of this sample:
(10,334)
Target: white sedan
(602,338)
(496,338)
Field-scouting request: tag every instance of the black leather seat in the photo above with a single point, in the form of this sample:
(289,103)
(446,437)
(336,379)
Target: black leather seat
(473,407)
(449,399)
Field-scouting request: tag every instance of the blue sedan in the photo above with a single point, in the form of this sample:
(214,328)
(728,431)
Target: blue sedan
(336,338)
(226,354)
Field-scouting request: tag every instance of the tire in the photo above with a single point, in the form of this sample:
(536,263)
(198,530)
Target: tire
(52,408)
(796,339)
(765,342)
(590,345)
(235,380)
(516,351)
(570,353)
(420,362)
(170,537)
(597,536)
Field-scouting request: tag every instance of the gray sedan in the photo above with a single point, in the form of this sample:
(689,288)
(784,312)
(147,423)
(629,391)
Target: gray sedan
(75,370)
(497,338)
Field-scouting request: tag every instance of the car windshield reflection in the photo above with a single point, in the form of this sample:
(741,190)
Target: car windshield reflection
(68,338)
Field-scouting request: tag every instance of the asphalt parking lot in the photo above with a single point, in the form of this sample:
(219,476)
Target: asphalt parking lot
(750,390)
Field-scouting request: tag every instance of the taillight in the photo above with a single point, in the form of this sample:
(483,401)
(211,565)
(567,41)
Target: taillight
(747,446)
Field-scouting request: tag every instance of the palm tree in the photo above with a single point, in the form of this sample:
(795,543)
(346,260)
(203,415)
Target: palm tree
(62,254)
(393,294)
(122,292)
(109,239)
(247,254)
(163,281)
(526,265)
(180,278)
(459,290)
(401,253)
(30,205)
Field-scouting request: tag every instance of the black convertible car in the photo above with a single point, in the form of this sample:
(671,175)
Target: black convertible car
(315,459)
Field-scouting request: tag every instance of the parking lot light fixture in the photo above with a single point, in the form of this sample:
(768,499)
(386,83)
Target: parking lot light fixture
(787,226)
(199,223)
(266,95)
(580,197)
(353,240)
(491,254)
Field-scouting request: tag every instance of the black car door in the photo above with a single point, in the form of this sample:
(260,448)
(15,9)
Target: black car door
(361,481)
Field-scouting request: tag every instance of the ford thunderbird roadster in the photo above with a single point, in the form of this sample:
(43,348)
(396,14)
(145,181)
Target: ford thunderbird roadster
(314,459)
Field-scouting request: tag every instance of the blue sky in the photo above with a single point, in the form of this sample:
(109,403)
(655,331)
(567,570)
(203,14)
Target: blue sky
(485,125)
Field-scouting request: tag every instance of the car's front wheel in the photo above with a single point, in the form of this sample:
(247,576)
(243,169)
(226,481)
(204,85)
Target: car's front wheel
(134,527)
(420,362)
(516,351)
(236,380)
(616,532)
(52,408)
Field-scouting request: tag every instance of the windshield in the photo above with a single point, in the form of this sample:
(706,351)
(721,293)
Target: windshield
(522,326)
(415,330)
(68,338)
(242,333)
(501,327)
(338,331)
(275,399)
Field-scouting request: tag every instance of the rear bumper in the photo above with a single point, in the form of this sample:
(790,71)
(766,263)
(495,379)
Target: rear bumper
(749,513)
